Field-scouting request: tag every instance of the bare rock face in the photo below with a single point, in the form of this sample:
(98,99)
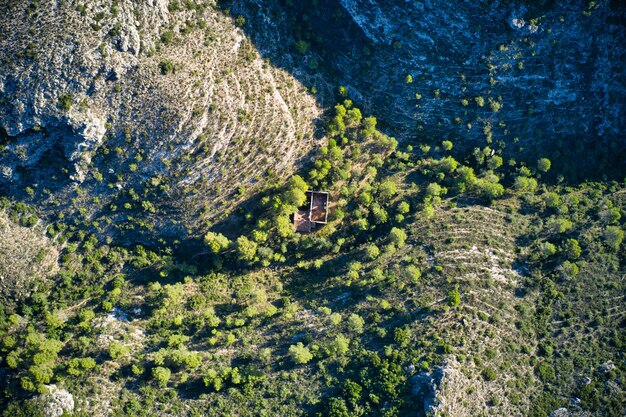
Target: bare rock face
(57,402)
(426,385)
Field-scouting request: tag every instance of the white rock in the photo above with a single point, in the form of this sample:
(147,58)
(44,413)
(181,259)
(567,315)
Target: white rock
(57,401)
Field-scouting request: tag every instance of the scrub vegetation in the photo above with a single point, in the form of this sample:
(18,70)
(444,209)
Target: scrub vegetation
(452,278)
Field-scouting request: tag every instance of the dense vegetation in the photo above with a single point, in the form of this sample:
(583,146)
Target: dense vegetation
(447,282)
(337,321)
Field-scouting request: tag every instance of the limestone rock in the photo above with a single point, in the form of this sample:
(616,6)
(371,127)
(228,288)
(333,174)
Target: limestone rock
(57,401)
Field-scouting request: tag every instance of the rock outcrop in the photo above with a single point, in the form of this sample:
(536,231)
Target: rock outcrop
(57,402)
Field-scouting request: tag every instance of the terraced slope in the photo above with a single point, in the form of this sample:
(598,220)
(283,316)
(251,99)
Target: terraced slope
(26,256)
(125,91)
(488,370)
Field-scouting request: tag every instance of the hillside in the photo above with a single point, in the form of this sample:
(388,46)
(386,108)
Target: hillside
(153,154)
(110,98)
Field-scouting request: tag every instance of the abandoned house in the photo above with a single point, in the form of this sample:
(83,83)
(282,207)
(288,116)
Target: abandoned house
(313,213)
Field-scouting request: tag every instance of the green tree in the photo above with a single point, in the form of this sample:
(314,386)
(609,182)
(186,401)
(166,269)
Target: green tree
(523,183)
(547,249)
(161,375)
(494,162)
(117,350)
(454,298)
(379,214)
(246,249)
(337,407)
(302,46)
(216,242)
(544,164)
(387,189)
(284,227)
(354,116)
(446,145)
(572,249)
(613,236)
(42,374)
(397,237)
(372,251)
(340,345)
(369,126)
(356,323)
(434,190)
(300,353)
(403,207)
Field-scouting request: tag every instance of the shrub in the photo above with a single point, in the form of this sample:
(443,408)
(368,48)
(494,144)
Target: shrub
(545,372)
(167,37)
(240,21)
(489,374)
(65,101)
(166,67)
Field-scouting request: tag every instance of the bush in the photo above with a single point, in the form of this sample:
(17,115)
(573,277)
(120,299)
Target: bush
(65,101)
(545,372)
(167,37)
(166,67)
(489,374)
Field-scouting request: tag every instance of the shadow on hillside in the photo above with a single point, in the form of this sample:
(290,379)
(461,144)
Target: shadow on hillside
(322,46)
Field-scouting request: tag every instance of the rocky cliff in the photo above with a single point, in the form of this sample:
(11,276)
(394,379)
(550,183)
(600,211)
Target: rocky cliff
(544,79)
